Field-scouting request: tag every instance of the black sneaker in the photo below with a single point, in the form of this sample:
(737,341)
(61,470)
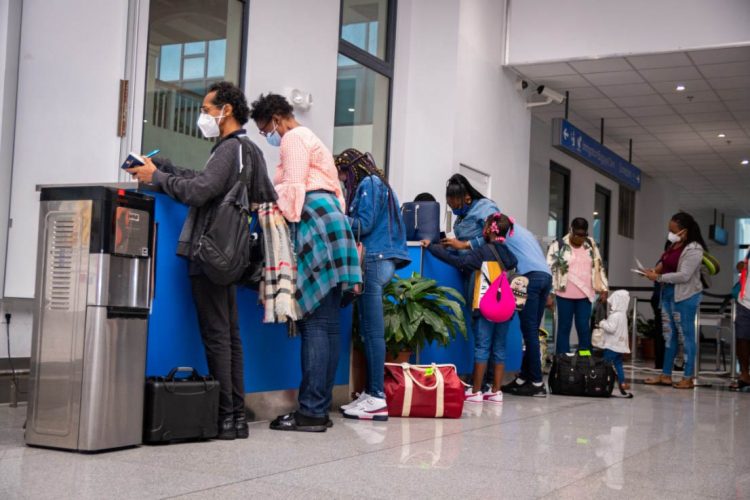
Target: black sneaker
(511,387)
(240,425)
(227,431)
(297,422)
(529,389)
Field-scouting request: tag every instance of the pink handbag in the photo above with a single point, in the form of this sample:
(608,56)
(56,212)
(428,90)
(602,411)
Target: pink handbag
(498,303)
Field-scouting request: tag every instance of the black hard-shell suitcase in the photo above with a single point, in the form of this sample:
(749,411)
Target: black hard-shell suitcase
(577,375)
(180,408)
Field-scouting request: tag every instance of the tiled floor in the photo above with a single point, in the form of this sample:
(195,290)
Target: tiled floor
(664,443)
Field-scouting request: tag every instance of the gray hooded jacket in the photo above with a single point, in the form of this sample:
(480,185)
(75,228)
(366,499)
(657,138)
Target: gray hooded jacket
(687,278)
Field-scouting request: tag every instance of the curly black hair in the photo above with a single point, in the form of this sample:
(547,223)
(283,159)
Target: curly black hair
(263,109)
(229,93)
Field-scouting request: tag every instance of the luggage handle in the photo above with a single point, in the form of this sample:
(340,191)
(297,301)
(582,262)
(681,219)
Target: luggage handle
(183,369)
(438,376)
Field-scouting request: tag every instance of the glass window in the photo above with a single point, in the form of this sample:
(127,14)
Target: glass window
(559,201)
(600,230)
(364,24)
(626,212)
(191,46)
(361,109)
(363,84)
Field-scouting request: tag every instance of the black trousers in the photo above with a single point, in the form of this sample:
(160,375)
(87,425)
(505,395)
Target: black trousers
(220,331)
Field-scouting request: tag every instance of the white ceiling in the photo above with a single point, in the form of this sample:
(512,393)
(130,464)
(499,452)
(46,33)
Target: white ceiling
(675,134)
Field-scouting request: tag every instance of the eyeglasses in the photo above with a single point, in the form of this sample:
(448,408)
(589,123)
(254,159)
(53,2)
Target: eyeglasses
(263,132)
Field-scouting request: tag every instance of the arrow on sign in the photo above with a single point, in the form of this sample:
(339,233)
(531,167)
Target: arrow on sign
(565,134)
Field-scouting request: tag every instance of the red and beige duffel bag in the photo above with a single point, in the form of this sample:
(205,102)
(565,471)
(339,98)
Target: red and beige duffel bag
(431,391)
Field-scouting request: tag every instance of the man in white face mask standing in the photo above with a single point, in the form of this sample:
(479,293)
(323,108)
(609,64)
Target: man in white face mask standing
(223,112)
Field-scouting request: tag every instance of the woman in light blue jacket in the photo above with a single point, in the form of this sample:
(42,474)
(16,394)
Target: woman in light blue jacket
(471,209)
(373,212)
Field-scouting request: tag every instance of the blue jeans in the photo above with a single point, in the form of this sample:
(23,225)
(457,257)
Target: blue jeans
(616,359)
(378,273)
(489,341)
(678,318)
(320,355)
(539,287)
(567,310)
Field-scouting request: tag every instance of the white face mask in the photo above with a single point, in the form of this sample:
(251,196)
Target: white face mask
(673,238)
(209,125)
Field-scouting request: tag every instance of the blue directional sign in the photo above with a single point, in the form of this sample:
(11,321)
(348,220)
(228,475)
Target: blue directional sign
(569,139)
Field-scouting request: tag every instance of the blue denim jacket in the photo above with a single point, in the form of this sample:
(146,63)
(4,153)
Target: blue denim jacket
(470,228)
(382,231)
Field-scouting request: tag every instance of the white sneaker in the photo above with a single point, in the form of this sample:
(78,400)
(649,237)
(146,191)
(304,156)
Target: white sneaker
(493,397)
(371,408)
(360,397)
(473,397)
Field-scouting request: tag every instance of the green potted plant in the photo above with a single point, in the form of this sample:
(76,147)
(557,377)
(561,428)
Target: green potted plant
(418,312)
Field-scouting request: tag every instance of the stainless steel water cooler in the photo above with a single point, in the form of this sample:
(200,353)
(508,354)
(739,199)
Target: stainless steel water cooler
(93,291)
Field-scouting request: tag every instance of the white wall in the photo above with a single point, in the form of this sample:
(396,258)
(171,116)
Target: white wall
(294,44)
(72,58)
(655,203)
(423,110)
(453,103)
(10,35)
(492,124)
(556,30)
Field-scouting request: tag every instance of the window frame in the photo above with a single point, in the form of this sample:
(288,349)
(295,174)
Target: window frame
(604,247)
(384,67)
(629,231)
(565,172)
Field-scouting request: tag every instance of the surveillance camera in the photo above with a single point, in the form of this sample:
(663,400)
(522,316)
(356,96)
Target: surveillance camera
(550,94)
(521,84)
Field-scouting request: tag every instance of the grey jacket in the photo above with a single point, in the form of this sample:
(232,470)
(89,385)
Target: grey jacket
(687,279)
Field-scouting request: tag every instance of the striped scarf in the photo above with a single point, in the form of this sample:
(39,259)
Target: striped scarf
(279,272)
(326,251)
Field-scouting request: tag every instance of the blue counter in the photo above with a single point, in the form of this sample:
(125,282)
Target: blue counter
(272,359)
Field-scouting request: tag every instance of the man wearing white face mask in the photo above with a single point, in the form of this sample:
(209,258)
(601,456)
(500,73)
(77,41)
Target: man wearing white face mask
(223,112)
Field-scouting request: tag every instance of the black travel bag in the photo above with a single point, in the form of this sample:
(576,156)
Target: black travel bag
(578,375)
(180,408)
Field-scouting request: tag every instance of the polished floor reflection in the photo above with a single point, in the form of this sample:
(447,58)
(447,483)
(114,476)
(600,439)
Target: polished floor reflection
(664,443)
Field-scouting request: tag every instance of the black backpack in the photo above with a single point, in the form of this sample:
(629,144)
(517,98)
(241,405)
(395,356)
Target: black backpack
(230,251)
(224,248)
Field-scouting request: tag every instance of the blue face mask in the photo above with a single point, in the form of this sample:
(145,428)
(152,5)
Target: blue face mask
(274,139)
(461,212)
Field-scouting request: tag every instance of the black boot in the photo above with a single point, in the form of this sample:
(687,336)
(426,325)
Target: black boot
(227,429)
(240,425)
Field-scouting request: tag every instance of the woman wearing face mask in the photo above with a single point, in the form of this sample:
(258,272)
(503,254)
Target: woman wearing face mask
(577,276)
(471,210)
(310,196)
(679,272)
(223,112)
(373,211)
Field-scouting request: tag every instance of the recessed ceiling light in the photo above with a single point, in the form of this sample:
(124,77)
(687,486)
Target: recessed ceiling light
(680,88)
(745,162)
(351,110)
(721,136)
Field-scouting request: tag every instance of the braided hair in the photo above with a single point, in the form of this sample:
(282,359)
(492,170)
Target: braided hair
(357,166)
(497,227)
